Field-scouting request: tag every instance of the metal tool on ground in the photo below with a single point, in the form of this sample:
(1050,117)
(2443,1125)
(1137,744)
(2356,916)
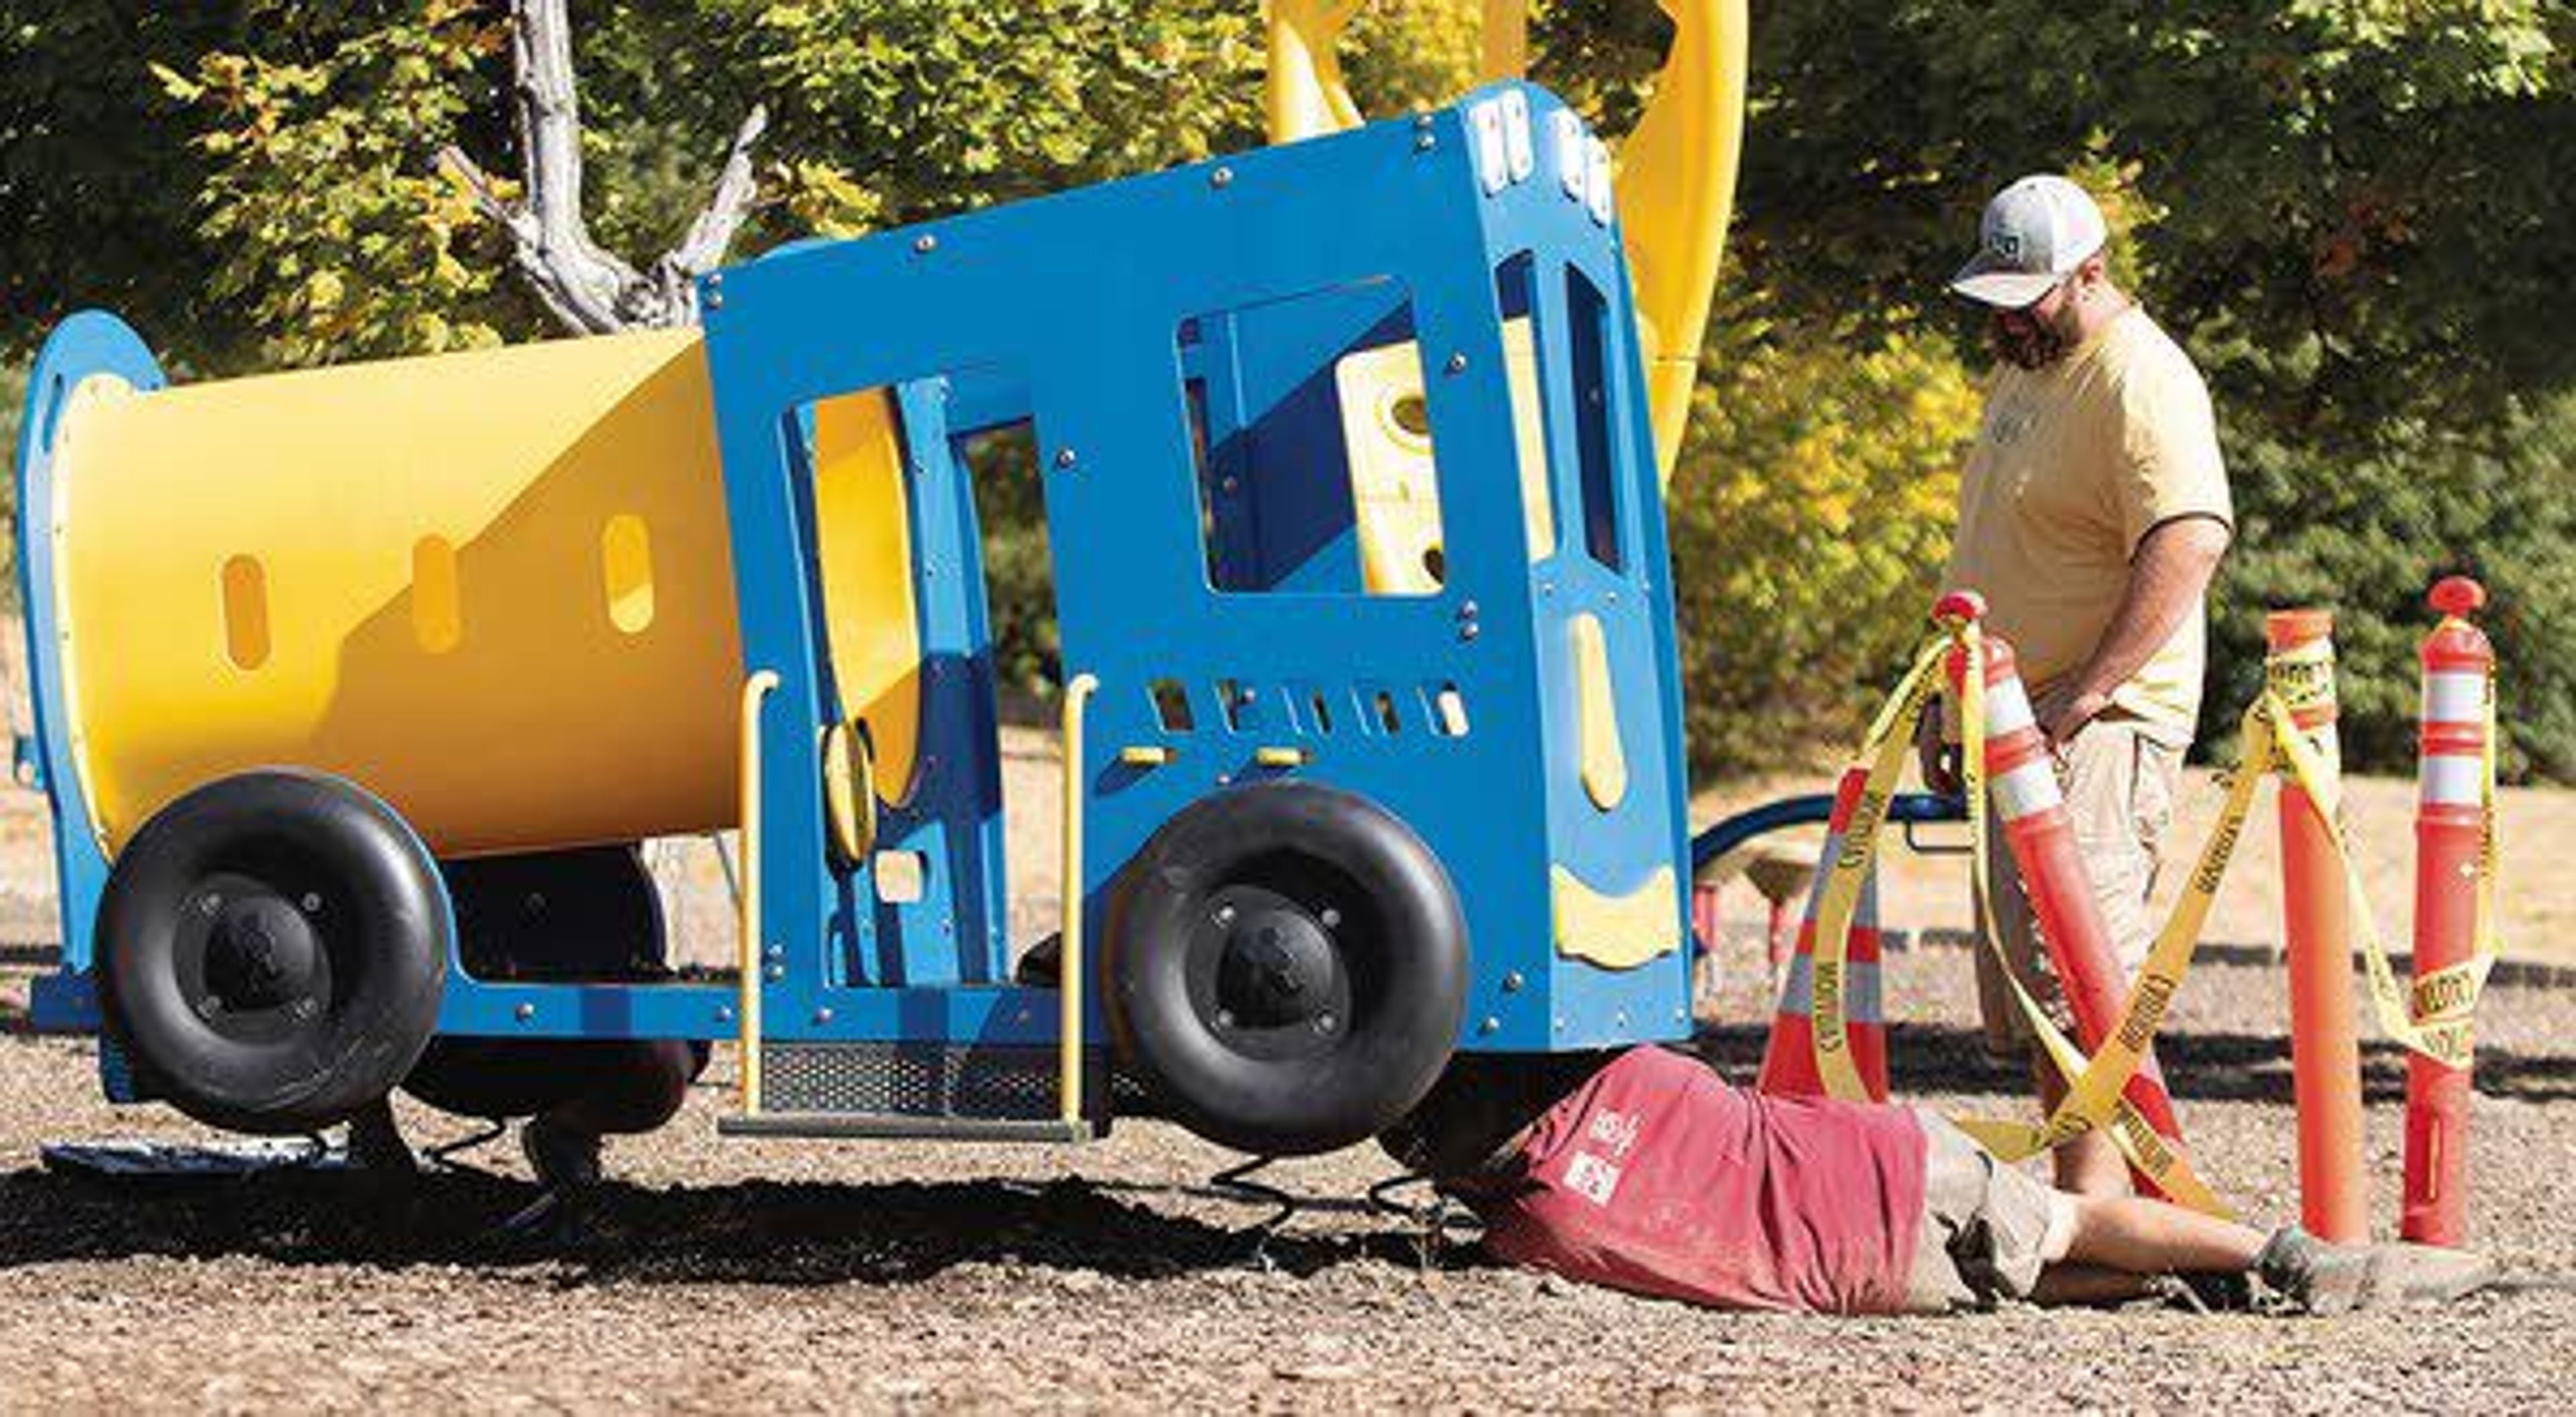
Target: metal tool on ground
(2454,903)
(2325,1052)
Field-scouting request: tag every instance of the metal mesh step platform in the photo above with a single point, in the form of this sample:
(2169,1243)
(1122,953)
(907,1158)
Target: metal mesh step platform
(916,1091)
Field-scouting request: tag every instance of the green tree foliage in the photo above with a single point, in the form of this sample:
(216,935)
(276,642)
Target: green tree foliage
(1809,523)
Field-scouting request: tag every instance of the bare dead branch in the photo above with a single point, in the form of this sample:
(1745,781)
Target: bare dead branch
(588,289)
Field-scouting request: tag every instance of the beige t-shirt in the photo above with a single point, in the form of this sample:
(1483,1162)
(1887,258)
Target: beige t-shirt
(2075,464)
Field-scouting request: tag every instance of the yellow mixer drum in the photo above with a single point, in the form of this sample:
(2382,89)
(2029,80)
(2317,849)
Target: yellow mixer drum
(493,588)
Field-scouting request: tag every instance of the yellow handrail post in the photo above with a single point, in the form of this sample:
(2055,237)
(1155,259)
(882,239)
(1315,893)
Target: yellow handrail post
(747,870)
(1077,691)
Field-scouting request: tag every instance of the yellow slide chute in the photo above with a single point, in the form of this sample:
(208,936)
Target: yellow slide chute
(1676,172)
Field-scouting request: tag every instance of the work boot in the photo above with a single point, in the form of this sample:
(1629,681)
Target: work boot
(564,1157)
(2336,1279)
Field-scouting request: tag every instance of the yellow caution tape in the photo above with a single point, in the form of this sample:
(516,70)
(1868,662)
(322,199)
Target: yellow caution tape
(2095,1084)
(2435,1018)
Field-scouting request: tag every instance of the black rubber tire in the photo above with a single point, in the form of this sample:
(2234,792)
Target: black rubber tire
(349,919)
(1380,968)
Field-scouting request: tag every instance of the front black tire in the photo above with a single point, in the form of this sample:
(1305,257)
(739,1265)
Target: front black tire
(1285,967)
(273,947)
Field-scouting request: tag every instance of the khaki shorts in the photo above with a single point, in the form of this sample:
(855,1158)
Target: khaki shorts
(2119,777)
(1988,1228)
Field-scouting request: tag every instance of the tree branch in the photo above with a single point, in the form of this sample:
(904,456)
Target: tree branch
(587,289)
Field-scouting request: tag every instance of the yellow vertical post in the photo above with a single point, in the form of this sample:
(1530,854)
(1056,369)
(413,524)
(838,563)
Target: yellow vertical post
(1502,41)
(1077,692)
(1304,94)
(1676,195)
(754,690)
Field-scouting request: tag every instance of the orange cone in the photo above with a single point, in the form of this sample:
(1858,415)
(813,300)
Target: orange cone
(2325,1051)
(2023,786)
(2450,839)
(1789,1060)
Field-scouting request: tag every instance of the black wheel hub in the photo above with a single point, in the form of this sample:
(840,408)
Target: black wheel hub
(262,953)
(1279,978)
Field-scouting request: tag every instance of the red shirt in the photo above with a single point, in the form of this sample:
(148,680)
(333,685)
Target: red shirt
(1657,1177)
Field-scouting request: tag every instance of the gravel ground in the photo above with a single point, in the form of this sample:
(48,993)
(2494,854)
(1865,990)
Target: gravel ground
(719,1274)
(730,1274)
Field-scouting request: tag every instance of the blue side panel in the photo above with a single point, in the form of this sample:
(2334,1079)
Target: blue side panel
(88,345)
(1248,279)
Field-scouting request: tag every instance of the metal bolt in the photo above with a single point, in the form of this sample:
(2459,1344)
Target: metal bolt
(1231,484)
(1490,1025)
(1225,1018)
(1512,982)
(209,1006)
(1621,1020)
(210,904)
(1560,1025)
(1225,915)
(1681,1015)
(1467,610)
(1064,457)
(774,973)
(1467,631)
(774,952)
(1422,118)
(724,1013)
(924,244)
(1425,143)
(1332,918)
(1222,177)
(822,1015)
(524,1012)
(312,903)
(715,299)
(305,1008)
(1326,1023)
(1458,364)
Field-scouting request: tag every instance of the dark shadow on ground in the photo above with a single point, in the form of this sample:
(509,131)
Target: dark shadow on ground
(756,1232)
(2217,1067)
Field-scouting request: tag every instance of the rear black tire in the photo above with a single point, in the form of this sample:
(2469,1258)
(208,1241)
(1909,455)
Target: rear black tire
(273,947)
(1285,967)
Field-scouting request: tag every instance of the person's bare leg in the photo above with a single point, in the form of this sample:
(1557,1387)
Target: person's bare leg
(2156,1237)
(2091,1164)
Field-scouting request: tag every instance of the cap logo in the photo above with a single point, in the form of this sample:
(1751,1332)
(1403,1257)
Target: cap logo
(2007,245)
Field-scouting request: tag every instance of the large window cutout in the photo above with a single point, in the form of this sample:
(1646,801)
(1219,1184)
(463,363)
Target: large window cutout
(1311,427)
(1529,423)
(1589,316)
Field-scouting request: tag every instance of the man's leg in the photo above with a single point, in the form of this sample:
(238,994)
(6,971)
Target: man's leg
(2090,1164)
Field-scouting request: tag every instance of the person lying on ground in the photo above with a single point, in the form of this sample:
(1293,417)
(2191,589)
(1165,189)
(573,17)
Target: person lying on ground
(1645,1171)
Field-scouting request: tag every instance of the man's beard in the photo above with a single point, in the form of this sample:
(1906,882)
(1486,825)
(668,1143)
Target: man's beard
(2025,339)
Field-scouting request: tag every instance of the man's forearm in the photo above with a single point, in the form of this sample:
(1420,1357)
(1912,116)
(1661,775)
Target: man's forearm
(2167,577)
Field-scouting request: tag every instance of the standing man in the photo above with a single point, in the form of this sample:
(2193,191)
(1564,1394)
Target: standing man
(2092,513)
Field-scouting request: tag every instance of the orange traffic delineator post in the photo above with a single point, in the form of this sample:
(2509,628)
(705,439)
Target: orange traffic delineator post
(2450,845)
(2041,839)
(1789,1059)
(2325,1051)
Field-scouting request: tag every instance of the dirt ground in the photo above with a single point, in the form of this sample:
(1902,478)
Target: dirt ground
(716,1274)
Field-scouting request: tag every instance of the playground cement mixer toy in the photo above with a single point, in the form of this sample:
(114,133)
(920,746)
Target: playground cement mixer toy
(355,688)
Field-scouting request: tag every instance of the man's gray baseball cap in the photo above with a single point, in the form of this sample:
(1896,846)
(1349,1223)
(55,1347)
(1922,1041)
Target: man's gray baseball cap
(2035,233)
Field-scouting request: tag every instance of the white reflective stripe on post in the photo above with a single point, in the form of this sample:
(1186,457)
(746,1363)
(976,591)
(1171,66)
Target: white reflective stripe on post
(2455,698)
(1860,991)
(1831,851)
(2030,788)
(2007,709)
(2449,781)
